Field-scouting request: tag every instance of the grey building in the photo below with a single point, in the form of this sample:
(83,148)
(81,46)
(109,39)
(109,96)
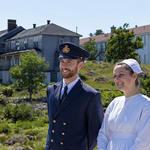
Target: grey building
(12,30)
(44,40)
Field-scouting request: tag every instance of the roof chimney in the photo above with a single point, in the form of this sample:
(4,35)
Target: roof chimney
(34,25)
(136,26)
(48,21)
(11,24)
(112,28)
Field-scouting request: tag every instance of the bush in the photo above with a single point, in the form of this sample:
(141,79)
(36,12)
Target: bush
(105,104)
(22,112)
(2,99)
(45,120)
(4,127)
(146,85)
(7,91)
(2,110)
(32,132)
(82,77)
(38,123)
(8,111)
(110,95)
(51,83)
(24,124)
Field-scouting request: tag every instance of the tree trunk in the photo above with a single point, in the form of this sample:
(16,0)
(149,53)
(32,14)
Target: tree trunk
(31,92)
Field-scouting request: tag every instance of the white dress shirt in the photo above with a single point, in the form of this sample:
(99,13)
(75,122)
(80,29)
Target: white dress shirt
(70,86)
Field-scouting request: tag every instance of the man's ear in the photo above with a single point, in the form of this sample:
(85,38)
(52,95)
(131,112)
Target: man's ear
(80,65)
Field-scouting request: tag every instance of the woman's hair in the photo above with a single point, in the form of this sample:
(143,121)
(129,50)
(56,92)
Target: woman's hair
(131,72)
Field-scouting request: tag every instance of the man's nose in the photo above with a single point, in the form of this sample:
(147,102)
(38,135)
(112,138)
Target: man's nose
(63,65)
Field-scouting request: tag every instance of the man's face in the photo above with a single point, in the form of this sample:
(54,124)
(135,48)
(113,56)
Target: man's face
(69,67)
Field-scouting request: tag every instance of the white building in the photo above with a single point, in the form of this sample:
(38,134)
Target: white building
(143,31)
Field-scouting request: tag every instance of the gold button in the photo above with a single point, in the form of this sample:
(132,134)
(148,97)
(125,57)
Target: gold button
(51,140)
(64,123)
(53,131)
(63,133)
(61,143)
(54,121)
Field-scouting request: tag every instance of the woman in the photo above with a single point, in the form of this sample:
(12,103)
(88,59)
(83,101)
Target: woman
(126,125)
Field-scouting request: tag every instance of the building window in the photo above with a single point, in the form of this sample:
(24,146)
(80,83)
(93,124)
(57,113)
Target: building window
(2,61)
(35,42)
(17,45)
(17,60)
(9,46)
(71,39)
(102,50)
(144,58)
(25,43)
(8,61)
(144,40)
(61,41)
(139,57)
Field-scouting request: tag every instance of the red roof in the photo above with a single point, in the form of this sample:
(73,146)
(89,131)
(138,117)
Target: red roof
(104,37)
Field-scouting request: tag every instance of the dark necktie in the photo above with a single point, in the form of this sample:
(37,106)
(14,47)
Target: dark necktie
(64,94)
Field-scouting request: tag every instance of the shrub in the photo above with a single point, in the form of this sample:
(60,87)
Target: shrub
(51,83)
(24,124)
(22,112)
(32,132)
(4,127)
(2,99)
(45,120)
(7,91)
(82,77)
(146,85)
(38,123)
(2,110)
(8,111)
(109,95)
(105,104)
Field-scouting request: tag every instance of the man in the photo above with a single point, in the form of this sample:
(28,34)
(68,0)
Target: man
(74,119)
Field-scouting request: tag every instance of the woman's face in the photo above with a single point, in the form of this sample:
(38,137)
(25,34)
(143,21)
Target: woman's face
(123,80)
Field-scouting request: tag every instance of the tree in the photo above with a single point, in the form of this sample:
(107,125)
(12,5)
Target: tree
(91,34)
(98,32)
(30,72)
(91,47)
(122,44)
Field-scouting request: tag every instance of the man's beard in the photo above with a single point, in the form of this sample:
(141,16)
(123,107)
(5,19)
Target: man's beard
(70,74)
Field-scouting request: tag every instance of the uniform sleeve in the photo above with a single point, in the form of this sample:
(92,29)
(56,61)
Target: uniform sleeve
(104,134)
(95,117)
(142,141)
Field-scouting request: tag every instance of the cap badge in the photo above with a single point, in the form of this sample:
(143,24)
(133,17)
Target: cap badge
(66,49)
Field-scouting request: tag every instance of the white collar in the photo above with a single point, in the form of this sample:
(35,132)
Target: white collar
(70,85)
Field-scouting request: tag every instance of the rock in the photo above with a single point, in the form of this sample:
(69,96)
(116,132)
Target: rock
(40,106)
(19,139)
(16,148)
(92,73)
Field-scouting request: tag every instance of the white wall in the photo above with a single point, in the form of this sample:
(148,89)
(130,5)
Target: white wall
(145,52)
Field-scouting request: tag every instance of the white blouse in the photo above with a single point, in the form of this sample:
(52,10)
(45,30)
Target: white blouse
(126,125)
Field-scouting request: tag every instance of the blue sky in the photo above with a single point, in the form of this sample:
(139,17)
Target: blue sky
(87,15)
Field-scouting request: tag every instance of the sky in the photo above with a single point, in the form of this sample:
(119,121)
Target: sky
(83,16)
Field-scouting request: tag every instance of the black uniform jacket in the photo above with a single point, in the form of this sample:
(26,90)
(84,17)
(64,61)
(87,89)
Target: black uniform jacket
(73,125)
